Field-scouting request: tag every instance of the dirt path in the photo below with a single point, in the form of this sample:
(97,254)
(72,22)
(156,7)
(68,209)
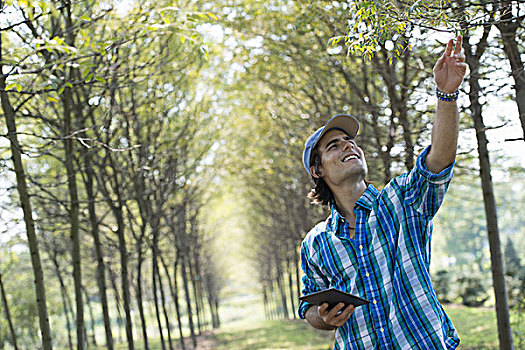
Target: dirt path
(205,341)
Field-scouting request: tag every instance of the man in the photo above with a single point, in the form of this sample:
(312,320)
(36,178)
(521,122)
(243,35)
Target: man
(376,244)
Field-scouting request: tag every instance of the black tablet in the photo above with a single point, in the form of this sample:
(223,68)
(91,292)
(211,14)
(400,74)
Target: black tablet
(333,297)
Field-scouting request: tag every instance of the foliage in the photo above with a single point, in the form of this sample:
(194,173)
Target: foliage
(170,120)
(114,95)
(372,23)
(17,276)
(442,283)
(472,289)
(514,276)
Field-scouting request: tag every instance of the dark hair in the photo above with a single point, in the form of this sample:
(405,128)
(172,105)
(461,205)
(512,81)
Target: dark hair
(321,193)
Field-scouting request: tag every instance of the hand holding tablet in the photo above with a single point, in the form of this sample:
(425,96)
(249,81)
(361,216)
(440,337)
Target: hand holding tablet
(332,297)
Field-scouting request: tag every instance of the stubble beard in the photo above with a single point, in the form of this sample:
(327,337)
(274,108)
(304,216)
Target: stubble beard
(356,176)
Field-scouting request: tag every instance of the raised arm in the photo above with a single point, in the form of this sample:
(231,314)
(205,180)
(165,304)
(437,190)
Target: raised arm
(448,75)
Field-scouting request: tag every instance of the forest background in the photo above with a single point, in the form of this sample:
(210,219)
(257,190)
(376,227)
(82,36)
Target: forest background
(152,186)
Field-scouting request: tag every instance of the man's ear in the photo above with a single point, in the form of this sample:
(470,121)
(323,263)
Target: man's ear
(317,173)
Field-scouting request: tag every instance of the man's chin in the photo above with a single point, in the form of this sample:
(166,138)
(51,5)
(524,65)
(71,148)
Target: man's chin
(357,175)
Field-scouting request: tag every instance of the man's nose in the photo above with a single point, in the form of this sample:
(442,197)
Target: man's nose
(347,145)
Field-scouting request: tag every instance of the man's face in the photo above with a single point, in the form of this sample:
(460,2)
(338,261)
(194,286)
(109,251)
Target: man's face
(342,160)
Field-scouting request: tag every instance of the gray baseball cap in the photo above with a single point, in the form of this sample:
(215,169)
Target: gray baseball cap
(344,122)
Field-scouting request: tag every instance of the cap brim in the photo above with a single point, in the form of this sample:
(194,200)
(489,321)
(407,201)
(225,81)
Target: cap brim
(345,122)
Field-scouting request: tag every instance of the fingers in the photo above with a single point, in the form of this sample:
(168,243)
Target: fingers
(448,50)
(336,317)
(452,51)
(323,310)
(459,44)
(327,314)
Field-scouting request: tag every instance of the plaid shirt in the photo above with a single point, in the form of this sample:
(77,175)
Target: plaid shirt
(387,263)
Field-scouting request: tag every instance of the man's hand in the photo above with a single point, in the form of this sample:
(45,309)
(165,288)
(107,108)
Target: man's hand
(332,317)
(450,68)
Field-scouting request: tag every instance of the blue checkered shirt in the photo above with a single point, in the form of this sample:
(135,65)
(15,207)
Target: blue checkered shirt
(387,262)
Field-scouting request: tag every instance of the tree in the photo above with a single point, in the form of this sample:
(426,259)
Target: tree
(77,64)
(370,25)
(515,276)
(10,119)
(510,20)
(7,313)
(473,57)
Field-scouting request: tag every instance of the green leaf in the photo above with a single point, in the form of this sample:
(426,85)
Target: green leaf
(10,86)
(52,99)
(204,51)
(61,90)
(18,87)
(102,80)
(43,5)
(86,18)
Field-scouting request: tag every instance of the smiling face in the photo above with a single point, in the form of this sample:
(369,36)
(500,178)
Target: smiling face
(341,159)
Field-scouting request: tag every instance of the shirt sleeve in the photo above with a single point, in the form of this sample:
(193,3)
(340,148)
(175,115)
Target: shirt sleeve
(425,190)
(313,278)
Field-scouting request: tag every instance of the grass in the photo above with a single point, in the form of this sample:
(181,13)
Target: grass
(477,328)
(273,335)
(244,329)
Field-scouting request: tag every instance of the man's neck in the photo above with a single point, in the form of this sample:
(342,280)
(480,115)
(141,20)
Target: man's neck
(345,198)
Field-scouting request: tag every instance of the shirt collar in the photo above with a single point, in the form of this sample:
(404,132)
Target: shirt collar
(364,201)
(335,219)
(368,197)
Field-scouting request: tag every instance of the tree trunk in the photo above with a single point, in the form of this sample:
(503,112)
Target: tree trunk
(498,278)
(397,100)
(165,311)
(280,285)
(101,274)
(297,273)
(25,203)
(73,214)
(188,298)
(175,296)
(65,298)
(216,310)
(112,278)
(140,302)
(193,278)
(508,29)
(123,251)
(272,303)
(67,104)
(92,319)
(265,303)
(176,300)
(155,297)
(124,278)
(290,286)
(8,314)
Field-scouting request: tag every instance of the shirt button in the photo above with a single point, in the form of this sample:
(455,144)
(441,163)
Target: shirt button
(367,274)
(374,301)
(382,330)
(360,247)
